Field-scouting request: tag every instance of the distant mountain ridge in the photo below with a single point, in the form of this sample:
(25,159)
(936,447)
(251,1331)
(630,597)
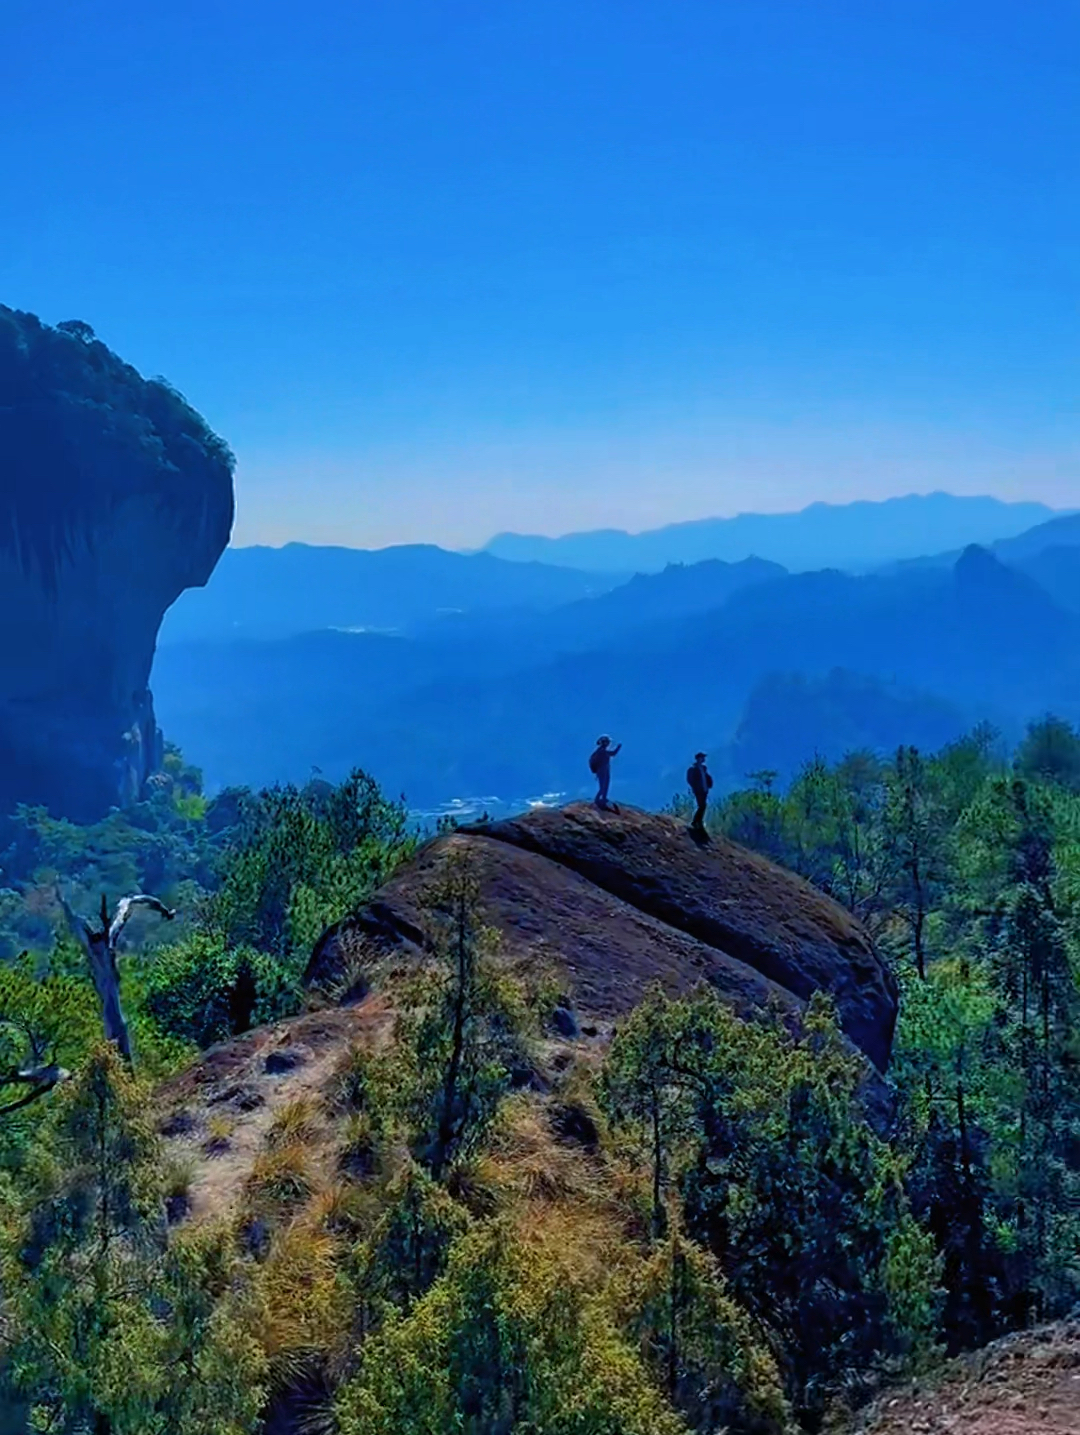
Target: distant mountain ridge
(925,653)
(856,537)
(262,592)
(1061,532)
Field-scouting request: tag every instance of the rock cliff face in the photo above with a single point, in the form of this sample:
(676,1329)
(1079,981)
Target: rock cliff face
(618,901)
(114,497)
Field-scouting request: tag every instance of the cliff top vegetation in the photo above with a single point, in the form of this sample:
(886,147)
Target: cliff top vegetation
(81,430)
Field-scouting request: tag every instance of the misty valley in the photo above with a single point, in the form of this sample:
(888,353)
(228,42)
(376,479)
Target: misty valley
(474,992)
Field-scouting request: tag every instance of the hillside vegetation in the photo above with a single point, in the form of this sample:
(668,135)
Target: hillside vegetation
(448,1197)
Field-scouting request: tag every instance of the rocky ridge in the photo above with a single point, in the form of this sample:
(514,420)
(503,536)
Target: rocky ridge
(615,902)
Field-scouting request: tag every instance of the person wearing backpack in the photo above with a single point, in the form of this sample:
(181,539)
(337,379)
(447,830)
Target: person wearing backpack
(600,767)
(699,780)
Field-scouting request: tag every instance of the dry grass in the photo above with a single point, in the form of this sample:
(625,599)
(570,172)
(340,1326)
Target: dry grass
(583,1203)
(219,1130)
(300,1311)
(527,1161)
(339,1209)
(281,1181)
(179,1174)
(297,1123)
(348,1089)
(358,1148)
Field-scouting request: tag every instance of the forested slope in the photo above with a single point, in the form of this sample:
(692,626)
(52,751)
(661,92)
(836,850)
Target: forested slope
(446,1193)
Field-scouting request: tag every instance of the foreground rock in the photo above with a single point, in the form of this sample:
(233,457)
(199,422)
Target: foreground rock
(115,497)
(1027,1384)
(618,901)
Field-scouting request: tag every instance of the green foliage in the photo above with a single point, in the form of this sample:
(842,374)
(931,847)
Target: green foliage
(407,1250)
(700,1346)
(463,1033)
(45,1019)
(781,1176)
(296,861)
(461,1279)
(204,991)
(971,885)
(1050,753)
(506,1342)
(257,878)
(110,1326)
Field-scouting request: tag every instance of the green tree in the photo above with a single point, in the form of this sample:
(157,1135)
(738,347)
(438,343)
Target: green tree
(111,1328)
(782,1179)
(1050,752)
(714,1366)
(463,1034)
(204,991)
(297,860)
(505,1343)
(408,1248)
(646,1083)
(919,834)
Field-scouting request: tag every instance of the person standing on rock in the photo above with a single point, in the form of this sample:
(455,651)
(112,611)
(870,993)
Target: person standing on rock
(699,780)
(600,767)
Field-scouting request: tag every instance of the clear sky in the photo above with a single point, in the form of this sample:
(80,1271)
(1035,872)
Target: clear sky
(437,268)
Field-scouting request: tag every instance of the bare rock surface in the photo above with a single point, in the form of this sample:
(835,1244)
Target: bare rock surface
(1027,1384)
(727,897)
(616,902)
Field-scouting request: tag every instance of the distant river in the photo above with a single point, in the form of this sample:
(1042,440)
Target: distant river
(471,809)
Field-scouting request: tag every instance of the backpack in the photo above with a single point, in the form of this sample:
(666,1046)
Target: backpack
(594,762)
(698,781)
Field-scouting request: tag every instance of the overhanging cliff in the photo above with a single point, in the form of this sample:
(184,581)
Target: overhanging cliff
(115,496)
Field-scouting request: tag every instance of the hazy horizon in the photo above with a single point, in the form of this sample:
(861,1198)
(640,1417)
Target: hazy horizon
(335,540)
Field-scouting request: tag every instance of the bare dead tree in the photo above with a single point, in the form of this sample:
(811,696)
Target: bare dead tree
(39,1081)
(38,1071)
(100,944)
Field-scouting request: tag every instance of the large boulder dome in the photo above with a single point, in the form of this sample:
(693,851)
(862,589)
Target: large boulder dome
(620,901)
(115,496)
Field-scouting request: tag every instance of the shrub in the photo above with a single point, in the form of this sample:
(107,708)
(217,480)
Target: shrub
(205,992)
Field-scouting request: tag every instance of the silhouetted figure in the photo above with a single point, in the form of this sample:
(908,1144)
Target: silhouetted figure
(600,767)
(699,780)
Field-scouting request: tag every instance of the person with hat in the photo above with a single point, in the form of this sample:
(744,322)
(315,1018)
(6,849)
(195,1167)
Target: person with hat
(600,767)
(699,780)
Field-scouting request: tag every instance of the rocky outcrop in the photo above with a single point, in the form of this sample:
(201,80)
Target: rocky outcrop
(618,901)
(115,497)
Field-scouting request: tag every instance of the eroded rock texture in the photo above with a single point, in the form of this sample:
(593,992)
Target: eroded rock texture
(618,901)
(115,496)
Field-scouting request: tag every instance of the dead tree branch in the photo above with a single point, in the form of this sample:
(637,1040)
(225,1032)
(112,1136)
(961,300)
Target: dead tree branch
(100,945)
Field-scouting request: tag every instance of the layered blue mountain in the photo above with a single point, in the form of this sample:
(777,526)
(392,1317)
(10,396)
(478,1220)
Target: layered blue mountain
(790,717)
(263,592)
(1051,555)
(1057,533)
(857,537)
(468,710)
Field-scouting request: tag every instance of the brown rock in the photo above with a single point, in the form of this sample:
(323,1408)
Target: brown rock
(728,898)
(618,901)
(608,952)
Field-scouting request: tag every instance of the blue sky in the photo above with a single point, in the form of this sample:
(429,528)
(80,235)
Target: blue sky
(439,269)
